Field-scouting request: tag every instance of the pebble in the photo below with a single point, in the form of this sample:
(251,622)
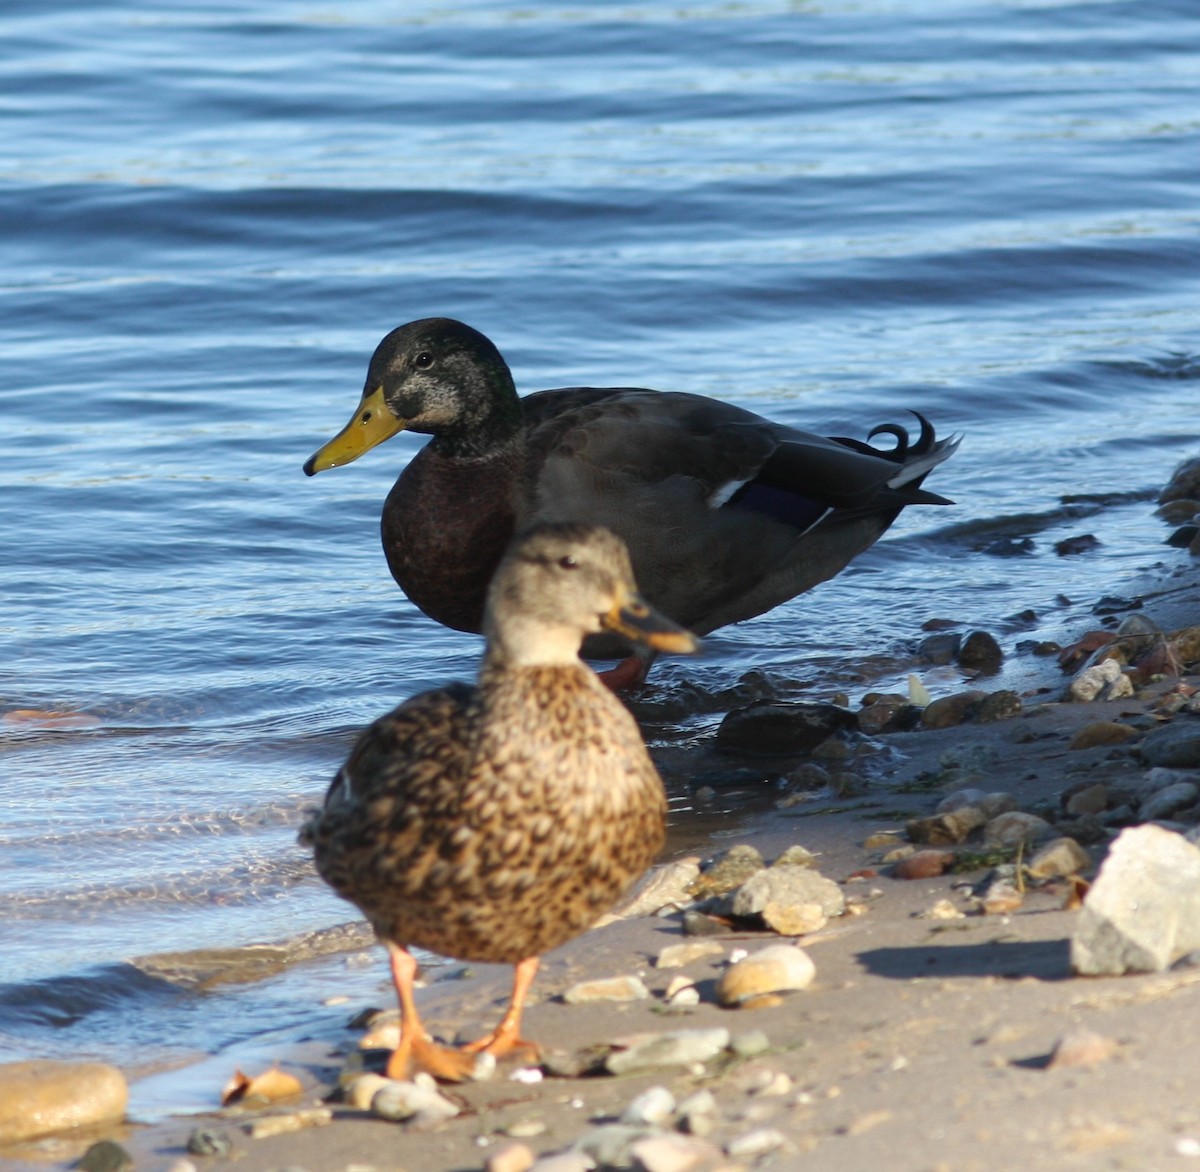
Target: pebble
(1102,732)
(662,887)
(787,887)
(1081,1048)
(958,799)
(671,1153)
(43,1097)
(511,1157)
(796,856)
(950,711)
(525,1128)
(942,910)
(754,1144)
(727,872)
(750,1044)
(652,1108)
(1169,800)
(269,1125)
(413,1102)
(946,829)
(568,1161)
(698,1113)
(997,706)
(1016,827)
(608,1146)
(675,1048)
(883,840)
(1058,859)
(1091,799)
(209,1141)
(362,1090)
(774,969)
(771,1084)
(1099,682)
(1143,911)
(624,988)
(980,653)
(105,1156)
(939,649)
(1001,898)
(675,956)
(925,864)
(771,727)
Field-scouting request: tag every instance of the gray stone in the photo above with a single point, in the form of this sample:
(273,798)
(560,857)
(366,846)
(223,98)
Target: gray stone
(1093,682)
(676,1048)
(412,1102)
(1143,911)
(608,1146)
(209,1141)
(1177,746)
(980,653)
(1057,859)
(756,1143)
(787,885)
(671,1153)
(1168,801)
(623,988)
(1016,827)
(105,1156)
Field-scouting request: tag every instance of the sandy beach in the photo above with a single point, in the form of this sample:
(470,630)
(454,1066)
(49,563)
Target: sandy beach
(923,1043)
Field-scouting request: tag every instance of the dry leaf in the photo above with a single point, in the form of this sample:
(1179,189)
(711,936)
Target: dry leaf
(269,1087)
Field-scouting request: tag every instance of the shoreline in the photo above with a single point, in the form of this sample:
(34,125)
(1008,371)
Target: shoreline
(919,1041)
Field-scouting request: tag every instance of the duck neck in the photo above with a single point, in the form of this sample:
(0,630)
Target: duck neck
(490,421)
(520,644)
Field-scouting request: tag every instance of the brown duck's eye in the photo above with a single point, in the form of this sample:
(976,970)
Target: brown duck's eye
(567,562)
(424,359)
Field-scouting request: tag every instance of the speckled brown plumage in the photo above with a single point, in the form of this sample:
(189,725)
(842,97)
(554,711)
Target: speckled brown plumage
(495,822)
(725,514)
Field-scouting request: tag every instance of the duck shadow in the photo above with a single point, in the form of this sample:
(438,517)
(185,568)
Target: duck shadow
(1043,960)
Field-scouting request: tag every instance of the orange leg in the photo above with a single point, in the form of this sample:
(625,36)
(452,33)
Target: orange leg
(416,1051)
(506,1037)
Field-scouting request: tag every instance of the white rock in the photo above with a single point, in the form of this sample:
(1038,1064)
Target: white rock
(1090,682)
(1015,827)
(756,1143)
(671,1153)
(1143,911)
(403,1101)
(652,1108)
(676,1048)
(675,956)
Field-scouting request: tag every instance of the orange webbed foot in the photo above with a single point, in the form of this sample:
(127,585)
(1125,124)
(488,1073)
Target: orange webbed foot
(445,1063)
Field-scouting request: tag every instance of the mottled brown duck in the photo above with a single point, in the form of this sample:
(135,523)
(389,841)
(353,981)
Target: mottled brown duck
(493,823)
(726,514)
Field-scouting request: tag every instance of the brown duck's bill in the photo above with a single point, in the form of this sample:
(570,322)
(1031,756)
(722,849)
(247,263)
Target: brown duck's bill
(371,424)
(636,619)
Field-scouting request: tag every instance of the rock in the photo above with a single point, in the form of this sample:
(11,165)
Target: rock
(271,1125)
(362,1090)
(675,956)
(660,887)
(1102,732)
(980,653)
(946,829)
(1184,482)
(958,799)
(775,969)
(754,1144)
(568,1161)
(1081,1048)
(1000,899)
(700,924)
(1016,827)
(1091,799)
(771,727)
(1100,681)
(1070,546)
(1143,911)
(790,919)
(652,1108)
(796,856)
(1177,746)
(677,1048)
(1169,800)
(882,840)
(418,1103)
(939,649)
(886,715)
(43,1097)
(727,872)
(510,1157)
(997,803)
(209,1141)
(996,706)
(610,1144)
(750,1044)
(942,910)
(698,1113)
(624,988)
(525,1128)
(1058,859)
(950,711)
(671,1153)
(786,887)
(927,864)
(808,776)
(105,1156)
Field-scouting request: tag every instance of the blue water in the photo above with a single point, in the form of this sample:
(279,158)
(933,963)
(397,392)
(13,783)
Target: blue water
(209,215)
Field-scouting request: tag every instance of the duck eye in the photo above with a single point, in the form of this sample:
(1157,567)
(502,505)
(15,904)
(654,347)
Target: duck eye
(567,562)
(423,359)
